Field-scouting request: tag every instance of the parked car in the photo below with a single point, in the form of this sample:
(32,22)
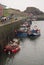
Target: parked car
(3,19)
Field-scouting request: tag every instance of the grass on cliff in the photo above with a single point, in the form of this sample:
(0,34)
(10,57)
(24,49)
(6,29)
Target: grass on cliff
(5,13)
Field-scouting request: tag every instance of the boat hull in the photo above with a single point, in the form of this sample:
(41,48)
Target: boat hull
(21,34)
(33,35)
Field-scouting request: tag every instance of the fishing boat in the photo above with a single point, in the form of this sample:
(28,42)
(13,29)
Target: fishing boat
(21,34)
(17,41)
(22,31)
(11,48)
(34,32)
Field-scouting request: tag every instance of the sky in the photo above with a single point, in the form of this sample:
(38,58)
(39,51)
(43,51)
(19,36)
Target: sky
(22,4)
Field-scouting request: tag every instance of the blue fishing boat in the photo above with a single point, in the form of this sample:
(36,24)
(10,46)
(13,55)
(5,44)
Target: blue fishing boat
(21,34)
(22,31)
(34,33)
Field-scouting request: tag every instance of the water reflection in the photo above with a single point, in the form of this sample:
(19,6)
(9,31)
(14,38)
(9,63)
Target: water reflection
(5,59)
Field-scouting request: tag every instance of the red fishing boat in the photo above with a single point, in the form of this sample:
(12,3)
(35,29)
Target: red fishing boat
(11,48)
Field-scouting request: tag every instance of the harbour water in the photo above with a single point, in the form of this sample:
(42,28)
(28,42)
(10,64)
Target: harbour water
(31,53)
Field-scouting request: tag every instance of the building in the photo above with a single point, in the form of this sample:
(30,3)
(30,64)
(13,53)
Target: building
(2,9)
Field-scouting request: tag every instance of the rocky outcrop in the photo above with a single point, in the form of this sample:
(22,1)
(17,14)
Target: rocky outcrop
(33,10)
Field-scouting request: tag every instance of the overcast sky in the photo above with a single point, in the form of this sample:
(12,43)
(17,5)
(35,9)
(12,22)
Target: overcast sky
(22,4)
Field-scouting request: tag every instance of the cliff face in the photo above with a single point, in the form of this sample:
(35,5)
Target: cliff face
(33,10)
(16,12)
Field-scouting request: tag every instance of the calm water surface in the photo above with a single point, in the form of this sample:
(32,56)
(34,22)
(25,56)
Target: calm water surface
(31,53)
